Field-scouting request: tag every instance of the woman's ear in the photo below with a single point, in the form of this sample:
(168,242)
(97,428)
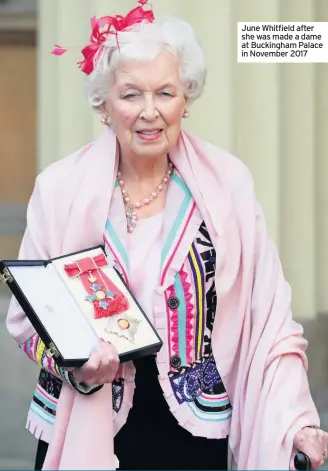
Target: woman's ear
(102,109)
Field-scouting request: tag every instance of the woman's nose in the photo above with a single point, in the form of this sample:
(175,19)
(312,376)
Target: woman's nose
(150,111)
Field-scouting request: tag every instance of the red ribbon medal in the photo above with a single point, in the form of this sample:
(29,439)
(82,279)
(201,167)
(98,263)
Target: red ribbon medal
(103,294)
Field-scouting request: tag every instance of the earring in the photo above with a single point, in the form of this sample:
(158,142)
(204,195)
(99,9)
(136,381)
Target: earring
(185,114)
(105,120)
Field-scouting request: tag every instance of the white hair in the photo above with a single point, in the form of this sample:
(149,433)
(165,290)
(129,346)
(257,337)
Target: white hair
(143,42)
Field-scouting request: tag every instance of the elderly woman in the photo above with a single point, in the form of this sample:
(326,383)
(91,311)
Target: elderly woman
(180,221)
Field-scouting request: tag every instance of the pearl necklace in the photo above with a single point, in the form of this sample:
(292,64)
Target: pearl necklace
(132,208)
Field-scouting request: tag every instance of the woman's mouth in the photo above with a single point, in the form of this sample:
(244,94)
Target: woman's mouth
(149,134)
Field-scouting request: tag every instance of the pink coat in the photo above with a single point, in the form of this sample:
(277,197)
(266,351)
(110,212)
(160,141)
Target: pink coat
(258,348)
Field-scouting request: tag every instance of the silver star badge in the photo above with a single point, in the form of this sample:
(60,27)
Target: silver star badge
(123,325)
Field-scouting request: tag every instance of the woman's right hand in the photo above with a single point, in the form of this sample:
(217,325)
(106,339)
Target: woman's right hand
(101,367)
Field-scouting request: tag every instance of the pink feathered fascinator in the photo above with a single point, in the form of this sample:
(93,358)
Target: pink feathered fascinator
(100,30)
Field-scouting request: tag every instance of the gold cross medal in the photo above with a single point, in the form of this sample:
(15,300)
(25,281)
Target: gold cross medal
(123,325)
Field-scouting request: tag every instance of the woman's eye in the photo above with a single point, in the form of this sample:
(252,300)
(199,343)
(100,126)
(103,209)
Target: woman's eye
(130,96)
(165,93)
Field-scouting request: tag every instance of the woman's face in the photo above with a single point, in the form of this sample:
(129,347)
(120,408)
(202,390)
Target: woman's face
(145,106)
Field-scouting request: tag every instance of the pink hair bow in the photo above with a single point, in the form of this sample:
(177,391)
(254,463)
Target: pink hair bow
(104,26)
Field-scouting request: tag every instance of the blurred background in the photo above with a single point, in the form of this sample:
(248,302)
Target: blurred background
(273,117)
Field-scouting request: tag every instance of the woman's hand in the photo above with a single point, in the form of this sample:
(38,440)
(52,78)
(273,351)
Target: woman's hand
(101,367)
(314,443)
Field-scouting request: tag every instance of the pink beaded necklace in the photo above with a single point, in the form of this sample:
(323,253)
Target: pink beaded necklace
(132,208)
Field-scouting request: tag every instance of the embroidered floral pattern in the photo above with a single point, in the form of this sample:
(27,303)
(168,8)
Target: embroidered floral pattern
(117,394)
(189,382)
(50,383)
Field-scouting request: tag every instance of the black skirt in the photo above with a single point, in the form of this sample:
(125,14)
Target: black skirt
(152,438)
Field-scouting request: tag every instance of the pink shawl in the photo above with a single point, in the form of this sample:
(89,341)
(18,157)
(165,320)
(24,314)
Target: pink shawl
(259,349)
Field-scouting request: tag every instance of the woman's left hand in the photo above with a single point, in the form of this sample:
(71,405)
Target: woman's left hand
(314,443)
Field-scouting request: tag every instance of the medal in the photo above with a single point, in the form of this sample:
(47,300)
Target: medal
(105,297)
(123,325)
